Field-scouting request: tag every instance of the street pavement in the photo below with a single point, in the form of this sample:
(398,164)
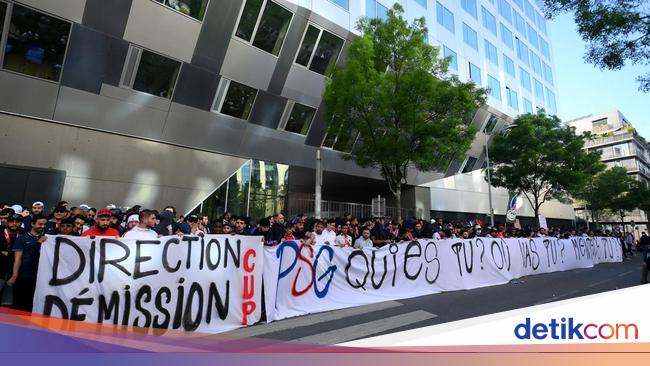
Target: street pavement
(393,316)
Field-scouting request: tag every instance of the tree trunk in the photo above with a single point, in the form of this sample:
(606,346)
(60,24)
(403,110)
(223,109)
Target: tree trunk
(398,201)
(622,213)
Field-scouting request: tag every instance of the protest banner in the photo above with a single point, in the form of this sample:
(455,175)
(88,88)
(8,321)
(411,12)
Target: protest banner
(207,284)
(301,279)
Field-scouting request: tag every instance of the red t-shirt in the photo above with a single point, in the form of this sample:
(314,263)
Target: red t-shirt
(94,231)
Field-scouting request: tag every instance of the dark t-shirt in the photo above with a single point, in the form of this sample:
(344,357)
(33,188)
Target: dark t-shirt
(6,261)
(31,248)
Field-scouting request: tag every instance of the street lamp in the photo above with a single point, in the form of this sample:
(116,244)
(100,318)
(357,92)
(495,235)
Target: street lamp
(487,159)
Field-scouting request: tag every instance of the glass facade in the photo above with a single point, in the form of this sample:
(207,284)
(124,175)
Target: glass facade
(193,8)
(258,189)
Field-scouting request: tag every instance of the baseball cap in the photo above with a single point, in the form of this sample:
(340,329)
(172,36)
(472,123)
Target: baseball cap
(60,209)
(15,217)
(17,208)
(104,212)
(38,204)
(84,207)
(67,221)
(193,218)
(133,218)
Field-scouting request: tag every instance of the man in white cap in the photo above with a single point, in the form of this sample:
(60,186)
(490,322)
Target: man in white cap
(143,231)
(37,209)
(132,221)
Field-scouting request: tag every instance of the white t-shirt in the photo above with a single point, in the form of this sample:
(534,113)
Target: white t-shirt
(328,237)
(140,233)
(343,241)
(361,243)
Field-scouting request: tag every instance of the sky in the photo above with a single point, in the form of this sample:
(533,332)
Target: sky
(584,89)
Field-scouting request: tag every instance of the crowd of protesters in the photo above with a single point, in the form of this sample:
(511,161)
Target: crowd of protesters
(24,230)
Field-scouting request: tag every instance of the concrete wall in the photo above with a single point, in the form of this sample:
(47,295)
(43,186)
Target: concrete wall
(469,193)
(103,168)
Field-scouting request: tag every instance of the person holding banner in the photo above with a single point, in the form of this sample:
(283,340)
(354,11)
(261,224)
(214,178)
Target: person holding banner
(102,225)
(27,250)
(144,229)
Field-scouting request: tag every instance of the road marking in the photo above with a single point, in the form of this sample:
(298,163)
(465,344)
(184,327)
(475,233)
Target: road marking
(311,319)
(599,282)
(367,329)
(555,298)
(625,273)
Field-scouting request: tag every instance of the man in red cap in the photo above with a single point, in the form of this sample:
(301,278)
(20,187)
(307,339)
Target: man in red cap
(102,225)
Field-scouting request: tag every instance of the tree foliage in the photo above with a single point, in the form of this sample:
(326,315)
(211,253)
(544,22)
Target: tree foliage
(394,94)
(607,191)
(617,31)
(542,160)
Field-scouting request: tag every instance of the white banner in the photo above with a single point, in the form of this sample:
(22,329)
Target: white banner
(209,284)
(302,279)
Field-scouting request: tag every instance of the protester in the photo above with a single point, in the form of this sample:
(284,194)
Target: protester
(344,240)
(10,231)
(133,220)
(26,249)
(54,223)
(66,227)
(102,225)
(144,228)
(364,241)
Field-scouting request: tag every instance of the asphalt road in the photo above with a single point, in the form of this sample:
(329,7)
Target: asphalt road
(393,316)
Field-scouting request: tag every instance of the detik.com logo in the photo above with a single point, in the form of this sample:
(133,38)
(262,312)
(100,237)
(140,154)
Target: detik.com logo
(568,328)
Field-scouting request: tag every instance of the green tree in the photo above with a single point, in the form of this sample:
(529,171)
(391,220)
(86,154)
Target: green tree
(634,195)
(616,31)
(542,160)
(394,94)
(604,191)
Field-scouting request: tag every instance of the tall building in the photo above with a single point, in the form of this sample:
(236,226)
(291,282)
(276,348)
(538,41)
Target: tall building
(217,104)
(620,146)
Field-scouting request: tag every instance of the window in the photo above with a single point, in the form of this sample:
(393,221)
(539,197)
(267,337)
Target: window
(342,3)
(550,99)
(539,89)
(264,29)
(470,7)
(475,74)
(494,87)
(422,3)
(375,10)
(470,37)
(525,79)
(522,51)
(543,46)
(530,11)
(506,37)
(3,13)
(150,72)
(36,43)
(491,123)
(469,164)
(300,118)
(520,23)
(505,10)
(341,141)
(489,21)
(445,17)
(548,74)
(491,53)
(509,66)
(195,9)
(319,50)
(447,52)
(519,3)
(528,106)
(513,101)
(236,99)
(536,63)
(541,22)
(599,122)
(532,36)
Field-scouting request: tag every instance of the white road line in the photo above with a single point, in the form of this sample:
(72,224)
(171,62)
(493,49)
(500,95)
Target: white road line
(311,319)
(367,329)
(626,273)
(599,282)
